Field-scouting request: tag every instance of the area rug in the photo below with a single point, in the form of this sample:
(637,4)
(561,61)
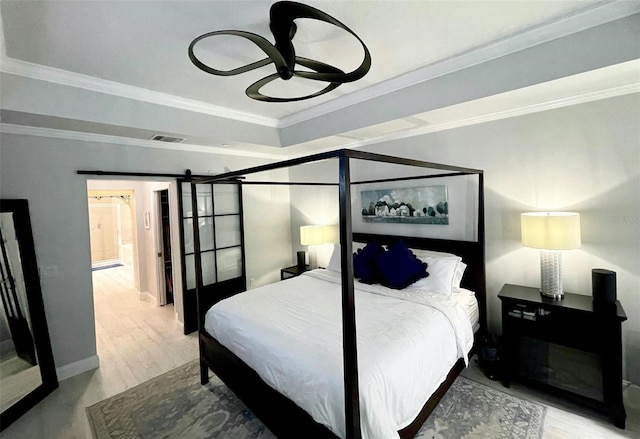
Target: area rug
(175,405)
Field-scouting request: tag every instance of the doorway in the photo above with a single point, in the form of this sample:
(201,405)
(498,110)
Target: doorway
(137,330)
(111,228)
(165,267)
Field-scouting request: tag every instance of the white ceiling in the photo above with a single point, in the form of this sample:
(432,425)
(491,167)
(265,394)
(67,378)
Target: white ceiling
(139,48)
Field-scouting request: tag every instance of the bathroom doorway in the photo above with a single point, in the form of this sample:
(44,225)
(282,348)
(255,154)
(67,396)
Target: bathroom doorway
(111,228)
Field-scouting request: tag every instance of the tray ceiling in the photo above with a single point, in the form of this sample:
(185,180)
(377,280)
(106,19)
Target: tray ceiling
(140,48)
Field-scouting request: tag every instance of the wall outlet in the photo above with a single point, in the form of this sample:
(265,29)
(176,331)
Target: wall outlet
(51,271)
(252,282)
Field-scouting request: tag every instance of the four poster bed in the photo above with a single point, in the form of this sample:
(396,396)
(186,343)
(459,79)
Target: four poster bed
(289,352)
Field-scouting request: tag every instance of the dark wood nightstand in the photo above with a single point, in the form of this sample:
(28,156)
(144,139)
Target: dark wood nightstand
(567,347)
(292,271)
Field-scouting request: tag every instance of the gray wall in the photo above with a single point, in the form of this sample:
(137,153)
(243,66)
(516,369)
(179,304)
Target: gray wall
(43,170)
(584,158)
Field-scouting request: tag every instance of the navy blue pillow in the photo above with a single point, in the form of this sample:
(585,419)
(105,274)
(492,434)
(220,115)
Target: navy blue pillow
(399,268)
(364,267)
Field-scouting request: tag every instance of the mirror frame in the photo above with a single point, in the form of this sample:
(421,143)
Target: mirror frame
(22,223)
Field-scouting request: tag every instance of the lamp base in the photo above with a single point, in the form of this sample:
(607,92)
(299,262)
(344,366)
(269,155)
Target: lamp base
(554,296)
(313,257)
(551,274)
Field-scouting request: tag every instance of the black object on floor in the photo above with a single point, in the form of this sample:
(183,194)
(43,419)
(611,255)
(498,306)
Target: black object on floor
(489,358)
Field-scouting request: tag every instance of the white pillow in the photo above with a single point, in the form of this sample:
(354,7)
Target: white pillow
(445,275)
(335,263)
(420,254)
(460,268)
(335,260)
(457,276)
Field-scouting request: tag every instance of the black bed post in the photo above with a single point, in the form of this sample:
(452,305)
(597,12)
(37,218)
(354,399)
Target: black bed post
(482,256)
(204,370)
(349,348)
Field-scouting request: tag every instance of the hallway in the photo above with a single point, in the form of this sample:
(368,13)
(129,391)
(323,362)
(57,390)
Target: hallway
(136,340)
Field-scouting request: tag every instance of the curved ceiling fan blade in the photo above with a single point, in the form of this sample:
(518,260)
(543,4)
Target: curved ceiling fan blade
(323,72)
(269,49)
(253,91)
(318,66)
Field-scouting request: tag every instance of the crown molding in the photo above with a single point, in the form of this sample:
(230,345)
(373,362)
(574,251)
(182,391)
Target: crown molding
(605,12)
(86,82)
(514,112)
(128,141)
(490,117)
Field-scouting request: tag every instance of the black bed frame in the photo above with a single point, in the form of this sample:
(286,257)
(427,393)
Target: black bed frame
(283,417)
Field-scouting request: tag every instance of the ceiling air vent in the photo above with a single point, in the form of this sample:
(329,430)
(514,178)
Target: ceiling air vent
(167,139)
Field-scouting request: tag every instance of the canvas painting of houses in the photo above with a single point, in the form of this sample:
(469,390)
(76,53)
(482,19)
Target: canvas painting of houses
(416,205)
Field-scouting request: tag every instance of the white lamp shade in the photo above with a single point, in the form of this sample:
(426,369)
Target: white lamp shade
(312,235)
(551,230)
(331,234)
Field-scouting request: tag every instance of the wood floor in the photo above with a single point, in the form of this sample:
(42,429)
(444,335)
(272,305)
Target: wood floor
(137,341)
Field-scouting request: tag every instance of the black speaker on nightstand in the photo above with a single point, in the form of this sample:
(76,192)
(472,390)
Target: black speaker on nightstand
(603,284)
(301,260)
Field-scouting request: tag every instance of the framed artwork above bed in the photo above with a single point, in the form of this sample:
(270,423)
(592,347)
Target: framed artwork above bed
(429,206)
(411,205)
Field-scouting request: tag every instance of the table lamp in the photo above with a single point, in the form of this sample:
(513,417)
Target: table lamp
(312,235)
(551,232)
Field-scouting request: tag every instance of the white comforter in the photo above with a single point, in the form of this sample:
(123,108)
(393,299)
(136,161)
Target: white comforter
(290,333)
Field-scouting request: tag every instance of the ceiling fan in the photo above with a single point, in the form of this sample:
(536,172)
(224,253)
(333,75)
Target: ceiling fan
(282,54)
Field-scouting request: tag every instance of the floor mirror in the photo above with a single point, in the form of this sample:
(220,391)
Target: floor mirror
(27,370)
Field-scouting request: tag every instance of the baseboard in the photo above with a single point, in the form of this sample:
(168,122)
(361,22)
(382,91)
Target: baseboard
(148,297)
(77,367)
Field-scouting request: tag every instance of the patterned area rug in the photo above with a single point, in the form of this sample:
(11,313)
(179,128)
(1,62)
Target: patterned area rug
(470,410)
(175,405)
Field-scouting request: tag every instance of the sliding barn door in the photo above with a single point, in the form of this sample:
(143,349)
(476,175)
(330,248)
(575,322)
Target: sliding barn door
(220,227)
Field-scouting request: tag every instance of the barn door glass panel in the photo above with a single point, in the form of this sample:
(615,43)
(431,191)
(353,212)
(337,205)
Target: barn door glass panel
(207,241)
(185,200)
(229,263)
(227,199)
(221,244)
(205,200)
(190,271)
(187,227)
(228,233)
(208,267)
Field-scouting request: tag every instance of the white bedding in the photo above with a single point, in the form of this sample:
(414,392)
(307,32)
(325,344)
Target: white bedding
(290,333)
(467,300)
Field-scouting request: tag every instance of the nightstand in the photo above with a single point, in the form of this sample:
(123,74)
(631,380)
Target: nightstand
(567,347)
(292,271)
